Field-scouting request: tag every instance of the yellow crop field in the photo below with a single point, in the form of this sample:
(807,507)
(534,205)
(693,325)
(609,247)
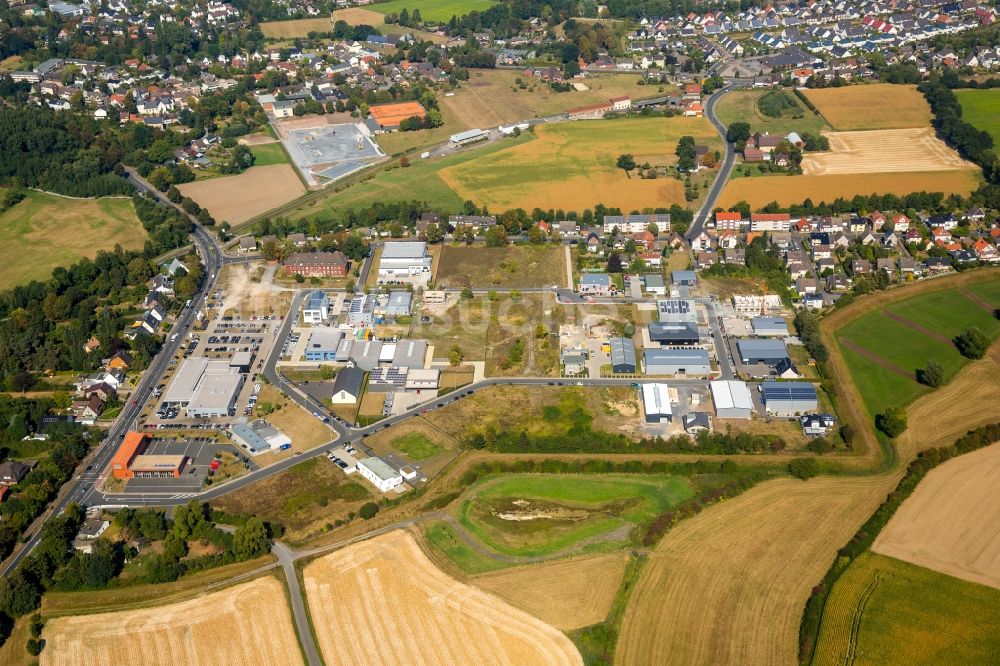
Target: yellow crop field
(872,106)
(411,612)
(572,166)
(786,190)
(568,594)
(879,151)
(297,27)
(236,199)
(221,628)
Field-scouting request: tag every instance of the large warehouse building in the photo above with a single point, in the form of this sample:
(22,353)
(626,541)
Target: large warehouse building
(676,310)
(770,352)
(656,403)
(622,356)
(404,259)
(674,333)
(732,399)
(789,398)
(206,388)
(769,327)
(676,362)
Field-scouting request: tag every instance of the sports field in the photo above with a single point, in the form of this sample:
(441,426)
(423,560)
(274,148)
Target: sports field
(572,166)
(296,27)
(220,628)
(887,612)
(539,515)
(410,612)
(433,10)
(871,106)
(44,231)
(512,266)
(741,106)
(882,151)
(236,199)
(951,522)
(981,109)
(884,349)
(788,190)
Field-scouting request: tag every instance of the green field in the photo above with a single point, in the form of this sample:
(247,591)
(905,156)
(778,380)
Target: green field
(741,106)
(981,108)
(545,514)
(884,611)
(933,319)
(269,153)
(415,445)
(443,538)
(432,10)
(45,231)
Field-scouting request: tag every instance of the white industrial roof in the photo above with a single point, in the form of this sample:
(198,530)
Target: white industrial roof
(181,389)
(731,394)
(404,250)
(656,398)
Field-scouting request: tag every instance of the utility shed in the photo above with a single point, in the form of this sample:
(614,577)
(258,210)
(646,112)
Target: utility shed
(622,355)
(732,399)
(770,352)
(676,362)
(769,326)
(789,398)
(656,403)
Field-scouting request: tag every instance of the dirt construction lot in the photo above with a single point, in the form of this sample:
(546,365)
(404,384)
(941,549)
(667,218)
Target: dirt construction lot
(879,151)
(219,628)
(411,612)
(951,523)
(236,199)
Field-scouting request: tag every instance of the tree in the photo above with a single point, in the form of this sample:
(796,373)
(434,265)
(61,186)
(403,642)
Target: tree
(614,263)
(455,355)
(251,540)
(626,162)
(466,294)
(892,422)
(932,374)
(368,510)
(972,343)
(496,236)
(18,594)
(738,134)
(803,468)
(190,521)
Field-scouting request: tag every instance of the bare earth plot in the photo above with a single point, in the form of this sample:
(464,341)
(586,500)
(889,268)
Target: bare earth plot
(219,628)
(879,151)
(951,523)
(412,613)
(568,594)
(872,106)
(236,199)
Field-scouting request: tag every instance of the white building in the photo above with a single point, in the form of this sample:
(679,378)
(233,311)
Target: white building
(381,475)
(316,309)
(732,399)
(404,259)
(656,403)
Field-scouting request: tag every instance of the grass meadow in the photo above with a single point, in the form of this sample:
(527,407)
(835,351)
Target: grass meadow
(885,611)
(513,266)
(741,106)
(266,154)
(433,10)
(981,109)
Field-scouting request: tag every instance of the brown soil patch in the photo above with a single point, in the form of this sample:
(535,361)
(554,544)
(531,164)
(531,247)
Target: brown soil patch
(297,27)
(411,612)
(951,523)
(257,140)
(877,360)
(219,628)
(568,594)
(878,151)
(236,199)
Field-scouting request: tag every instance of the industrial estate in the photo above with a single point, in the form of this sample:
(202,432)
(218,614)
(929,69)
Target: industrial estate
(475,332)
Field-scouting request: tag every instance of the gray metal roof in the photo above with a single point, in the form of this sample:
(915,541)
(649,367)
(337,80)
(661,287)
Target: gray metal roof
(595,278)
(622,352)
(248,436)
(670,331)
(754,348)
(350,380)
(380,468)
(404,250)
(410,353)
(788,391)
(675,356)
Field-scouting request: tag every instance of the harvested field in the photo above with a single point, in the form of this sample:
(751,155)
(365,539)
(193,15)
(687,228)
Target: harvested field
(884,105)
(568,594)
(788,190)
(951,523)
(221,627)
(297,27)
(879,151)
(236,199)
(413,613)
(572,166)
(512,266)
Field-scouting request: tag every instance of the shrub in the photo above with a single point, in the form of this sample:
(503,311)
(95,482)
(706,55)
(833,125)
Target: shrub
(932,375)
(368,510)
(892,422)
(972,344)
(803,468)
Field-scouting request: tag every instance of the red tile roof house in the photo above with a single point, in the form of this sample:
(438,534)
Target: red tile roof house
(316,264)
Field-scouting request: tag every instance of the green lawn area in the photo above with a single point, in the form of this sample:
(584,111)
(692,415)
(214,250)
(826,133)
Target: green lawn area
(741,106)
(433,10)
(949,312)
(415,445)
(885,611)
(988,291)
(269,153)
(981,108)
(443,538)
(44,231)
(880,388)
(548,513)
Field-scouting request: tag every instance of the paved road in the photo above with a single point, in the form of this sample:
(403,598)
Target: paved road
(287,560)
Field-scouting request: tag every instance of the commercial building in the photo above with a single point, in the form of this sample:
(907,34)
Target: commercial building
(769,326)
(215,395)
(404,259)
(322,344)
(469,136)
(595,283)
(361,311)
(789,398)
(380,474)
(384,380)
(623,356)
(410,354)
(316,309)
(399,305)
(653,284)
(676,310)
(656,403)
(366,354)
(676,362)
(732,399)
(182,388)
(419,380)
(245,437)
(347,386)
(148,467)
(674,333)
(133,445)
(769,352)
(684,278)
(241,361)
(316,264)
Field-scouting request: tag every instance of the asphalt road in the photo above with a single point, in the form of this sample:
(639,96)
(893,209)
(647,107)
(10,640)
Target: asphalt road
(287,560)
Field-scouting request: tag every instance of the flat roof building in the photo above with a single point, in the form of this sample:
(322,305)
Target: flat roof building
(399,305)
(789,398)
(157,466)
(215,395)
(181,389)
(133,445)
(770,352)
(684,278)
(410,354)
(419,379)
(732,399)
(241,361)
(674,333)
(366,353)
(656,403)
(361,311)
(322,344)
(404,259)
(769,326)
(247,437)
(380,474)
(316,309)
(676,362)
(594,283)
(676,310)
(469,136)
(623,356)
(653,283)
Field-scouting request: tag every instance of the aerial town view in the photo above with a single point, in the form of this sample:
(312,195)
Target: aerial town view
(500,332)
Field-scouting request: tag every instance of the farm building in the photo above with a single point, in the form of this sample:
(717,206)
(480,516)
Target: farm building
(732,399)
(595,283)
(674,333)
(684,278)
(316,309)
(404,259)
(322,344)
(347,386)
(469,136)
(380,474)
(622,355)
(769,326)
(676,310)
(676,362)
(789,398)
(656,403)
(769,352)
